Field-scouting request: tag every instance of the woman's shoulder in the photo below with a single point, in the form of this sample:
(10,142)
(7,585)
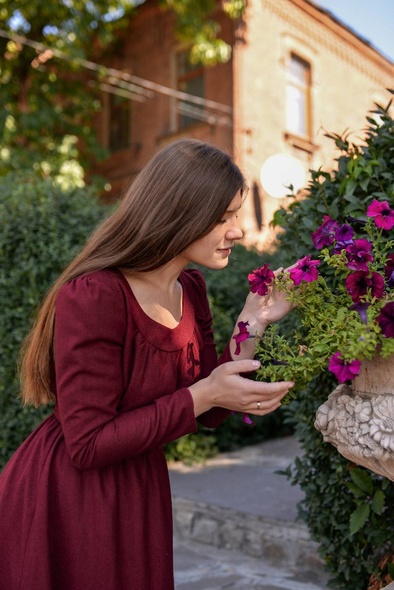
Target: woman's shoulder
(92,303)
(194,278)
(95,285)
(194,284)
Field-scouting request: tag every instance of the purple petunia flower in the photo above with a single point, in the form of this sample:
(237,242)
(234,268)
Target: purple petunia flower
(260,278)
(361,308)
(325,234)
(386,320)
(384,216)
(343,237)
(389,271)
(246,419)
(343,370)
(359,254)
(242,335)
(360,282)
(305,270)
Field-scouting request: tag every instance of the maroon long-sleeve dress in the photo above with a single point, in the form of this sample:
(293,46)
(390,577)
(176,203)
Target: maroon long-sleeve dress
(85,501)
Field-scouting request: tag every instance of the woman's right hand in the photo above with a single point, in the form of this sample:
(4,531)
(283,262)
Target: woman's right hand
(226,388)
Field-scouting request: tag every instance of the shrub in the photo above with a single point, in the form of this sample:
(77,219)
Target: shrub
(42,228)
(348,509)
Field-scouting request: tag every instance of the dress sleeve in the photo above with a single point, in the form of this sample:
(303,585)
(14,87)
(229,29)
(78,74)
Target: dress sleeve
(209,358)
(90,325)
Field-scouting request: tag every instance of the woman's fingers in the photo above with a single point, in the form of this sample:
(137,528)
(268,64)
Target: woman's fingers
(241,366)
(255,387)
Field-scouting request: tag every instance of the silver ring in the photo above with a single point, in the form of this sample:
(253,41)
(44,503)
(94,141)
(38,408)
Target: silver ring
(258,405)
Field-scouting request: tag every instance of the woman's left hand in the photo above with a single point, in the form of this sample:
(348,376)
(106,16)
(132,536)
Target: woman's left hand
(259,311)
(269,308)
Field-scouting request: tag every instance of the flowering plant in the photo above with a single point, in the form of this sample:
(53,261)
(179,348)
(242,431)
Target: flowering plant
(346,316)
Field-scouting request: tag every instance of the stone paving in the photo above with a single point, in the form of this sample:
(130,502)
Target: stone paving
(236,526)
(203,567)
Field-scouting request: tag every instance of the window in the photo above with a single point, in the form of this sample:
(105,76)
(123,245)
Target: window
(298,97)
(119,122)
(190,79)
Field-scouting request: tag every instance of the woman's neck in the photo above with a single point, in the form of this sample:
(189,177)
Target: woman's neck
(159,293)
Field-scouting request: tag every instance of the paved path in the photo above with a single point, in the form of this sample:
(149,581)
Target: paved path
(203,567)
(236,524)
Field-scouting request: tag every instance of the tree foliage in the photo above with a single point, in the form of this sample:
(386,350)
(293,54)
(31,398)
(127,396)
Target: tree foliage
(49,98)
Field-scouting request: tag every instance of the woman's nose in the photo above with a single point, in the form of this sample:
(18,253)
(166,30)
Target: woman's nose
(235,232)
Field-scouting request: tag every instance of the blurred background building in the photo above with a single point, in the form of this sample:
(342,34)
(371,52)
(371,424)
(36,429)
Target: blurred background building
(296,73)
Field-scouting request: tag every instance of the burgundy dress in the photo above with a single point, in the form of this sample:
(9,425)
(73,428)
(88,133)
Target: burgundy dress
(85,501)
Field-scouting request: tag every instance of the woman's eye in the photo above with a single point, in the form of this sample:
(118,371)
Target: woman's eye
(222,221)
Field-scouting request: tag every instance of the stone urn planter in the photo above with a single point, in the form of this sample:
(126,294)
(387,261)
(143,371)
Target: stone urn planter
(359,420)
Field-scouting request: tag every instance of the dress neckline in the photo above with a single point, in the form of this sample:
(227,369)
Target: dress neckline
(158,334)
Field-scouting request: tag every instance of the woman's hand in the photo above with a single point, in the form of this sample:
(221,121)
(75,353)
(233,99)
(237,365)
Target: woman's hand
(269,308)
(226,388)
(259,311)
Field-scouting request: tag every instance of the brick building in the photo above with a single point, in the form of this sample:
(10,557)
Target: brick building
(296,72)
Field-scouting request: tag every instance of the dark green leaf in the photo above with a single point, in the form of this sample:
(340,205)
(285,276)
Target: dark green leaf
(358,518)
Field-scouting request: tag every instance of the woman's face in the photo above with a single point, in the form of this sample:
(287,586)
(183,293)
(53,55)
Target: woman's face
(214,249)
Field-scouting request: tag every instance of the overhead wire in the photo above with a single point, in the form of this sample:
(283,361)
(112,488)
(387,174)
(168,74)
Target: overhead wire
(131,85)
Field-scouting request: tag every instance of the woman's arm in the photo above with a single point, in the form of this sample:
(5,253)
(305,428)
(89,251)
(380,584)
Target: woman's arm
(90,328)
(258,312)
(224,388)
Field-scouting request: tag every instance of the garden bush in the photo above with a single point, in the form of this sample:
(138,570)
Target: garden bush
(348,509)
(42,228)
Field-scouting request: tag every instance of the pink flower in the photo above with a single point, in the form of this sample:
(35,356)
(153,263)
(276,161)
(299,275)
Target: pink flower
(260,278)
(359,254)
(384,216)
(343,237)
(389,270)
(343,370)
(325,234)
(242,335)
(360,282)
(386,320)
(305,270)
(246,419)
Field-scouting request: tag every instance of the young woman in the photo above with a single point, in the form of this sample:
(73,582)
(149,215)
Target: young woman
(123,345)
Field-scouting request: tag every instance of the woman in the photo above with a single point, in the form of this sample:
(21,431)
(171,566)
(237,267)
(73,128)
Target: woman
(123,346)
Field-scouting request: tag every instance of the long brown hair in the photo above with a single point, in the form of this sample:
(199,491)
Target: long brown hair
(177,198)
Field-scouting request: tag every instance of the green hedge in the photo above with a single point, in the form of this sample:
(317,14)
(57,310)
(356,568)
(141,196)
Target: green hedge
(337,493)
(41,230)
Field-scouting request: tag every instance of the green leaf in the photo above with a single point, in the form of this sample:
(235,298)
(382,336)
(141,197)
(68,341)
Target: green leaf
(377,504)
(355,490)
(349,190)
(359,517)
(362,480)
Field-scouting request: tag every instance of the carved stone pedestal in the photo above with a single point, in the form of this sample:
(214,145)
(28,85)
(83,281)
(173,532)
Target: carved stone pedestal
(359,420)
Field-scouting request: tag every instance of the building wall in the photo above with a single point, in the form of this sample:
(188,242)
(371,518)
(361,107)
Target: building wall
(149,53)
(347,77)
